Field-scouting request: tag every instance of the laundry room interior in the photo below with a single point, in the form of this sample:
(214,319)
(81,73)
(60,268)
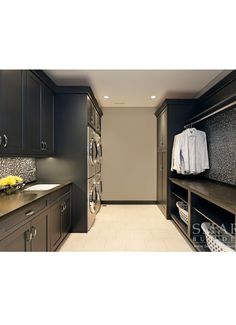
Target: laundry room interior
(118,160)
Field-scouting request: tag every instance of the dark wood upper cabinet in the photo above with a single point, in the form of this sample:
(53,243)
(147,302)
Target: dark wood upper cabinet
(31,114)
(10,112)
(38,117)
(47,120)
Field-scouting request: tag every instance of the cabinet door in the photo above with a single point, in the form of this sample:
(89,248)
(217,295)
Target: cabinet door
(159,134)
(10,111)
(159,177)
(163,127)
(18,241)
(164,181)
(39,233)
(97,122)
(55,225)
(31,114)
(47,121)
(66,216)
(91,113)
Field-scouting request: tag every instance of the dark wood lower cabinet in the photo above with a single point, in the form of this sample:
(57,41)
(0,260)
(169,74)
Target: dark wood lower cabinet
(43,232)
(59,221)
(18,241)
(54,226)
(66,216)
(39,233)
(31,237)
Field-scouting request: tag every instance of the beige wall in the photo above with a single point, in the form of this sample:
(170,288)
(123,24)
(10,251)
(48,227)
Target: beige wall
(129,154)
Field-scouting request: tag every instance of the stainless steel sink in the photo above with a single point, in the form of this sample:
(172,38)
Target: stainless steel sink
(41,187)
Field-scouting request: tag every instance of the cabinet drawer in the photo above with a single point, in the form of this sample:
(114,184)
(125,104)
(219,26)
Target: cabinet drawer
(16,218)
(56,195)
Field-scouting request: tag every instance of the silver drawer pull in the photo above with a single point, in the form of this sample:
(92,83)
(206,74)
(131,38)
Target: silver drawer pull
(28,235)
(29,213)
(33,231)
(5,140)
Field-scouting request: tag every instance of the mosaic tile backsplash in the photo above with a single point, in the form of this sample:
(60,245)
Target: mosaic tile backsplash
(23,167)
(221,138)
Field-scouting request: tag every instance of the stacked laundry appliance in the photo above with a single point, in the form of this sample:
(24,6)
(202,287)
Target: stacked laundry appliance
(94,157)
(78,154)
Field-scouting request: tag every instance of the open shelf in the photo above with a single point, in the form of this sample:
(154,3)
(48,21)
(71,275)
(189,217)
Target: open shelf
(179,223)
(216,219)
(208,201)
(215,214)
(179,192)
(179,197)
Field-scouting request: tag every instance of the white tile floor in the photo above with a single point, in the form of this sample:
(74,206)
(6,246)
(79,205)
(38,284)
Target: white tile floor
(129,228)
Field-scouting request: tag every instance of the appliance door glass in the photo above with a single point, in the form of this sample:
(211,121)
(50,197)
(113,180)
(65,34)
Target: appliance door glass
(98,200)
(92,151)
(92,199)
(98,192)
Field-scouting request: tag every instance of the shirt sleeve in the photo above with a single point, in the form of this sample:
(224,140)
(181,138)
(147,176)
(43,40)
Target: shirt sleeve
(173,154)
(184,153)
(205,158)
(176,155)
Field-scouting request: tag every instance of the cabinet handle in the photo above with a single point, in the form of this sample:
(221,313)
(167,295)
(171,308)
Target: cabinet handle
(42,145)
(29,213)
(45,146)
(28,235)
(33,232)
(65,205)
(5,140)
(0,140)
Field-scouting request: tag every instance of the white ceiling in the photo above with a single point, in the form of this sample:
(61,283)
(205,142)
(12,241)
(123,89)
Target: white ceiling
(133,88)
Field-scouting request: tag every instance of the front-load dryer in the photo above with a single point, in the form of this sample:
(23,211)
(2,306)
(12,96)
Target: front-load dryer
(92,205)
(91,152)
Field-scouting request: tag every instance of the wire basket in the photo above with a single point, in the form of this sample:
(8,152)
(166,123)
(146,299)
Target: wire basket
(217,239)
(183,211)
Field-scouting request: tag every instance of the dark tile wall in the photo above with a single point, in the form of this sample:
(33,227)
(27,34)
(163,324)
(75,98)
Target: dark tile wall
(221,135)
(24,167)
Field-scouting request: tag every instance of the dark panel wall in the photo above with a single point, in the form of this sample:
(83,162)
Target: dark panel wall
(221,136)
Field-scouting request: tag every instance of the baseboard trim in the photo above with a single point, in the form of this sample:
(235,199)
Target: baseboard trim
(128,202)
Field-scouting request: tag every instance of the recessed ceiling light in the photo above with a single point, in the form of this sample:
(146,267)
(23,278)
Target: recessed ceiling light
(106,97)
(153,97)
